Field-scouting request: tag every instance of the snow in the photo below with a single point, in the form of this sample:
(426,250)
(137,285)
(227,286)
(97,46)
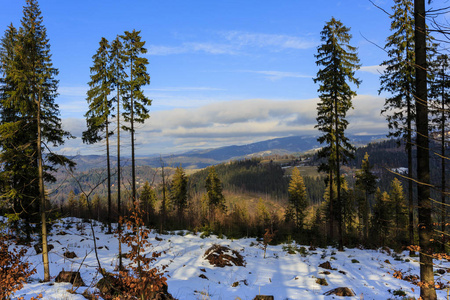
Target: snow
(284,275)
(400,170)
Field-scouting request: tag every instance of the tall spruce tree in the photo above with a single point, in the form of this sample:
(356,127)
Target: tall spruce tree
(398,80)
(118,80)
(35,89)
(100,109)
(16,181)
(440,109)
(427,289)
(134,101)
(338,61)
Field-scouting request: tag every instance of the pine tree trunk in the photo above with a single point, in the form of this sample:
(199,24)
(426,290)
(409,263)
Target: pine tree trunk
(133,167)
(427,291)
(409,146)
(366,217)
(119,211)
(331,221)
(444,208)
(163,209)
(338,178)
(410,173)
(42,195)
(108,167)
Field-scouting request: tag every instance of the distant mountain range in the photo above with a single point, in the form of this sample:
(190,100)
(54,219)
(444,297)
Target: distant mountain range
(197,159)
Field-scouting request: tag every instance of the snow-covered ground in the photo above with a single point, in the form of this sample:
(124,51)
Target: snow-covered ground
(286,276)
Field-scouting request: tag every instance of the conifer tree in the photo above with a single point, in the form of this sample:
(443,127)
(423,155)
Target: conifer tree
(215,197)
(366,182)
(100,109)
(440,110)
(262,216)
(72,204)
(35,89)
(118,78)
(134,100)
(298,199)
(398,80)
(329,198)
(178,192)
(399,209)
(338,61)
(147,199)
(382,216)
(427,289)
(15,156)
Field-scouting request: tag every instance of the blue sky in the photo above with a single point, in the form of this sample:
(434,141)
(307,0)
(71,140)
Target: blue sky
(222,72)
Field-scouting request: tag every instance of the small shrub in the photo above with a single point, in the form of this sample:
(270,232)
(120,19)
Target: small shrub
(14,271)
(267,238)
(291,248)
(205,234)
(142,279)
(399,292)
(303,251)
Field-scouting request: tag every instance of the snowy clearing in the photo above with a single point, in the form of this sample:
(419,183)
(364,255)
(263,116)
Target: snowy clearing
(369,273)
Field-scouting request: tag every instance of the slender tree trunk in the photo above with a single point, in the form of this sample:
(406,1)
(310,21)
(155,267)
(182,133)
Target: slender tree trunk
(338,178)
(163,208)
(409,146)
(119,211)
(410,172)
(42,194)
(331,221)
(366,217)
(133,166)
(444,208)
(108,167)
(427,290)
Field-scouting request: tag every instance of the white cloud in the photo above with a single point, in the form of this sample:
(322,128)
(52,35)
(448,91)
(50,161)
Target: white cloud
(78,91)
(165,50)
(205,47)
(234,42)
(183,89)
(277,75)
(268,40)
(377,70)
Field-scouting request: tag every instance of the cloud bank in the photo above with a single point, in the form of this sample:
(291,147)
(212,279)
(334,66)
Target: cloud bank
(234,42)
(233,122)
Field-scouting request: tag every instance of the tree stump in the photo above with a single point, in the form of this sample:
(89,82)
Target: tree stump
(341,291)
(68,276)
(263,297)
(69,254)
(326,265)
(38,248)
